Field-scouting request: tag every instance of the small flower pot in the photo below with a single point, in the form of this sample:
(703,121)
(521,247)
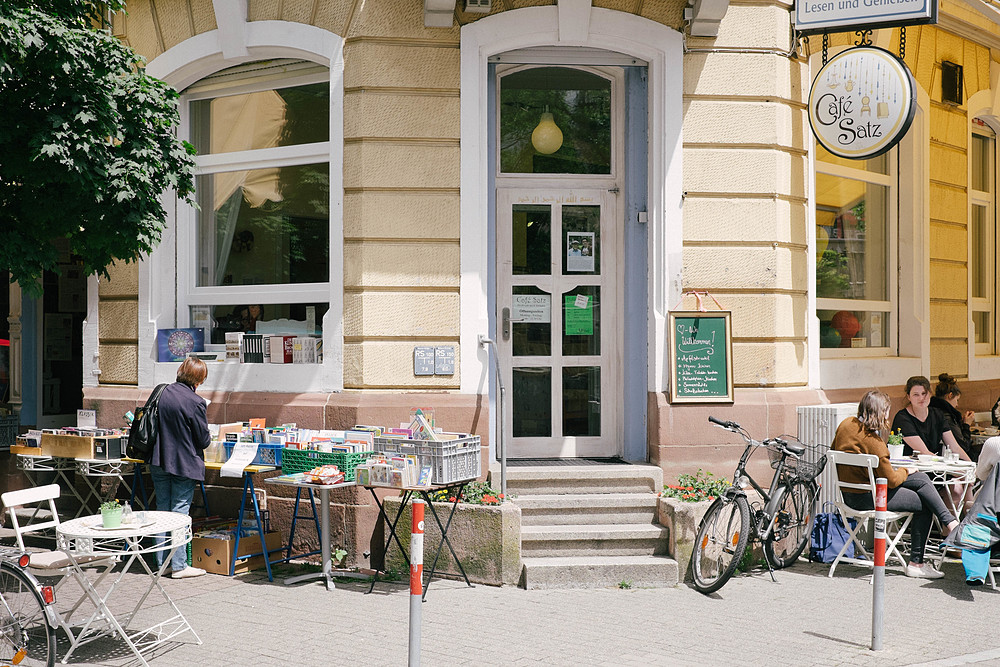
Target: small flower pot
(111,518)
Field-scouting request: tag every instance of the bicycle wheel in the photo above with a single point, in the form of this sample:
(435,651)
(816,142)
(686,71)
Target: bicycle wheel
(25,635)
(719,544)
(792,522)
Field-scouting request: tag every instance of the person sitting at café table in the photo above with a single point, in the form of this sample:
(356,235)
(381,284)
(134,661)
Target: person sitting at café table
(945,399)
(909,490)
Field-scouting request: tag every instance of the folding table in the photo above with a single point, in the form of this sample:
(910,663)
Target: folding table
(85,536)
(241,531)
(454,489)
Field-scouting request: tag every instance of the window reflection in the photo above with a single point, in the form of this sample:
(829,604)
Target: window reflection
(532,402)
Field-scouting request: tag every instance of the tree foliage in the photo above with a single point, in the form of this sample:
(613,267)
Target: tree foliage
(87,143)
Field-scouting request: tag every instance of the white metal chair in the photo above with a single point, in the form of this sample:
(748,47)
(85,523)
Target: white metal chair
(40,503)
(897,520)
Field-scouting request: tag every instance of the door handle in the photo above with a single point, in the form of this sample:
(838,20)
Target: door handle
(505,326)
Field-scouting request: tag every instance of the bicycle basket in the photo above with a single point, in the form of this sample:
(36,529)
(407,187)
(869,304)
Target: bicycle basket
(807,467)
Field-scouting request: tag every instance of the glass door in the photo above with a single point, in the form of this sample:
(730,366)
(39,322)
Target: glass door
(557,303)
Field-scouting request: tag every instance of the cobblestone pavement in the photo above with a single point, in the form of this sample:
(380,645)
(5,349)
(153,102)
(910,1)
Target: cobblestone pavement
(804,618)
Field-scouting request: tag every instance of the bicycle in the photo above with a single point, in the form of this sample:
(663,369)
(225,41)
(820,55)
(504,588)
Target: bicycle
(781,521)
(27,618)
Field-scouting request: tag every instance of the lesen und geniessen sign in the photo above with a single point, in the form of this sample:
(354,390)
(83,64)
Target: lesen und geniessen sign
(862,103)
(815,16)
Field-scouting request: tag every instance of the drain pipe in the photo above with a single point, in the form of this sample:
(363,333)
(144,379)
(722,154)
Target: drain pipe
(489,343)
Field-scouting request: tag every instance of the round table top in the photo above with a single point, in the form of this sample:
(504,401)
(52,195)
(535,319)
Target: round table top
(154,522)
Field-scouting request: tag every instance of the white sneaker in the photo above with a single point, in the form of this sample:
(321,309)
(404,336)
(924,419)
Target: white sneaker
(187,573)
(922,571)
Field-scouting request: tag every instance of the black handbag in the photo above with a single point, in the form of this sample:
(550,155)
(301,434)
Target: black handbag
(143,432)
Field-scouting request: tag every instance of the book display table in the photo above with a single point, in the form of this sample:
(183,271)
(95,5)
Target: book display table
(454,489)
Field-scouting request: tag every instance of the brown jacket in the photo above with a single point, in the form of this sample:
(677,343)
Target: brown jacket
(852,437)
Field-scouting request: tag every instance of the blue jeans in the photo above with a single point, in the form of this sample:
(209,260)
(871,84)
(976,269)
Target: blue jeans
(173,494)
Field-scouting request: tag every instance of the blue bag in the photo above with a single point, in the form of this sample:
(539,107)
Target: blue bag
(829,536)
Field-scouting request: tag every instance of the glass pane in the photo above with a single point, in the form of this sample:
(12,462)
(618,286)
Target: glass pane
(982,257)
(582,321)
(531,338)
(845,328)
(532,406)
(269,118)
(582,401)
(876,165)
(983,142)
(264,227)
(531,234)
(983,323)
(581,250)
(580,106)
(851,239)
(271,318)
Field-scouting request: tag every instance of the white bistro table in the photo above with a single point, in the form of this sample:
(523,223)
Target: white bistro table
(85,536)
(943,474)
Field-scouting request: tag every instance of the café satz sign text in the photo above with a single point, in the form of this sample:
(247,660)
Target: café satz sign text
(862,103)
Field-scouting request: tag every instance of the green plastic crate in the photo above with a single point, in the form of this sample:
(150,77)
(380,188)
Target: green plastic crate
(301,460)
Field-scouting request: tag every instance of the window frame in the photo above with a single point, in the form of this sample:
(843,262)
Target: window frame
(985,199)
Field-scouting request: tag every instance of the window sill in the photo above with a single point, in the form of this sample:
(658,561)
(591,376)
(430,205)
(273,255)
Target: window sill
(871,371)
(234,376)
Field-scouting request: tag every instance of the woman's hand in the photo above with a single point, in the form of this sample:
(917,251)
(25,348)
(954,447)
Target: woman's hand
(970,417)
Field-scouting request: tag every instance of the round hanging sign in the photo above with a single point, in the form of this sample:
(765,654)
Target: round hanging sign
(862,102)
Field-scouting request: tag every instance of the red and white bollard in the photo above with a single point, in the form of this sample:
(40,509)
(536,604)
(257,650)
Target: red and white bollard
(878,576)
(416,579)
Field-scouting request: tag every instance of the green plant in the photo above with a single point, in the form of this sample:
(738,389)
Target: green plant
(692,488)
(338,555)
(896,437)
(625,584)
(475,493)
(748,561)
(110,505)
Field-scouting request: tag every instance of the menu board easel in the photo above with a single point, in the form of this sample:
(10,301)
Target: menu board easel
(701,357)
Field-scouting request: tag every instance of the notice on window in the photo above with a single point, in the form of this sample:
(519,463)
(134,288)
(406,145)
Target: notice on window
(580,252)
(532,308)
(242,456)
(578,316)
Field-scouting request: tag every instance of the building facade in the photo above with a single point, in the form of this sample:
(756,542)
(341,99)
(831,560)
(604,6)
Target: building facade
(383,174)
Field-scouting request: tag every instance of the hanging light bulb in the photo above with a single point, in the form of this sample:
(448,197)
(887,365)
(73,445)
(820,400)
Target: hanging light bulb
(547,138)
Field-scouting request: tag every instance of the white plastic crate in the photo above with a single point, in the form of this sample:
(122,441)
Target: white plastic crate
(451,460)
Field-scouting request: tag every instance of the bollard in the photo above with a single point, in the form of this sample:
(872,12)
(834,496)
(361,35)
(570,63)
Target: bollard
(416,579)
(878,576)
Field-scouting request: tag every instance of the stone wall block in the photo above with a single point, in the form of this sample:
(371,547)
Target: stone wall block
(119,364)
(401,264)
(368,114)
(949,242)
(732,220)
(401,165)
(389,364)
(124,281)
(709,121)
(385,65)
(119,319)
(767,363)
(378,314)
(424,215)
(722,170)
(949,320)
(950,280)
(750,267)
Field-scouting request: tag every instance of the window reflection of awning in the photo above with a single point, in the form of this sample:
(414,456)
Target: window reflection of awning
(240,123)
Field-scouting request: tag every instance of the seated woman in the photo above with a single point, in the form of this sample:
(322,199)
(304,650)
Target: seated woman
(945,399)
(909,490)
(924,428)
(988,458)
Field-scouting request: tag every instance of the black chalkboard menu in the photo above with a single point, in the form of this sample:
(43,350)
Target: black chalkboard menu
(701,357)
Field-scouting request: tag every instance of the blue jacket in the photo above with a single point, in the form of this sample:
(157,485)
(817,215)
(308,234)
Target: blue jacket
(183,434)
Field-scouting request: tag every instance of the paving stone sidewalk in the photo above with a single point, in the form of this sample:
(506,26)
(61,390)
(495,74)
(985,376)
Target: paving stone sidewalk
(805,618)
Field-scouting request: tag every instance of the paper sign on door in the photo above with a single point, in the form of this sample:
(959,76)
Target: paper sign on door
(578,315)
(532,308)
(580,251)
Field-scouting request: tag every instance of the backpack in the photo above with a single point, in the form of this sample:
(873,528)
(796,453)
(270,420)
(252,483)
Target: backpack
(828,537)
(143,432)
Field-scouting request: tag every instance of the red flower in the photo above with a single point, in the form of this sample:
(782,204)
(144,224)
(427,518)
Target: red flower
(501,496)
(452,499)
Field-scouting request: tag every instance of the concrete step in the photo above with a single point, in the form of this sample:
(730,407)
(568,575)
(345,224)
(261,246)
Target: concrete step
(550,480)
(599,572)
(587,508)
(593,540)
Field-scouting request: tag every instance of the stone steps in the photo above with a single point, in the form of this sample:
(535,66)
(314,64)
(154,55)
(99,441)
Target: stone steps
(586,508)
(589,526)
(599,572)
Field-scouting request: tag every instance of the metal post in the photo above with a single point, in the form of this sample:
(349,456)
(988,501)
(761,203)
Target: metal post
(416,579)
(501,447)
(878,576)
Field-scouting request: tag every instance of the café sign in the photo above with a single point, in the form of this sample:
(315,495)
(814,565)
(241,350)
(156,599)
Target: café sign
(862,103)
(814,16)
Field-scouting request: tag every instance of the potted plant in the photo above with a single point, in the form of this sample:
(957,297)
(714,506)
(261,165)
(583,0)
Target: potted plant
(111,514)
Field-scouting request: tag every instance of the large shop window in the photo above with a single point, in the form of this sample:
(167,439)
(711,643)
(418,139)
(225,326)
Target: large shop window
(982,233)
(260,246)
(856,250)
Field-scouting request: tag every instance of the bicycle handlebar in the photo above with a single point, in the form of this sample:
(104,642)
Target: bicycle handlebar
(723,424)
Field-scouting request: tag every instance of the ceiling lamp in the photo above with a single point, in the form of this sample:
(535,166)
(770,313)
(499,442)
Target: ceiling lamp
(547,138)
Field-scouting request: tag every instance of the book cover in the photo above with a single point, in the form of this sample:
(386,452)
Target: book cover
(426,476)
(281,349)
(253,349)
(174,344)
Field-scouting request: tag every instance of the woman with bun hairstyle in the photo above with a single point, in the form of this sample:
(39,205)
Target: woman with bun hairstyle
(945,399)
(909,490)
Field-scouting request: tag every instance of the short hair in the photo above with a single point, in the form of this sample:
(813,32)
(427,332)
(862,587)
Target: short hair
(918,381)
(946,386)
(873,411)
(192,372)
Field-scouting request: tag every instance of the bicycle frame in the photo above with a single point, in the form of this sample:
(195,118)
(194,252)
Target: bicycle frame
(771,502)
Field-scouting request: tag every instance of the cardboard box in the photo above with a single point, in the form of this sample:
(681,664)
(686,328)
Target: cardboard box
(67,446)
(214,555)
(21,449)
